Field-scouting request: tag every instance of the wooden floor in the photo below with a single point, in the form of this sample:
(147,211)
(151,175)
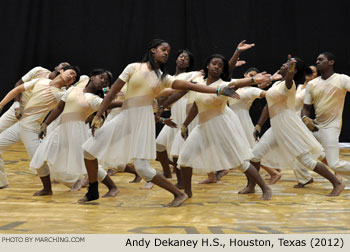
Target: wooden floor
(215,208)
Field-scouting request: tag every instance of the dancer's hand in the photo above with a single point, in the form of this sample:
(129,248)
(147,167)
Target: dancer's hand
(42,131)
(228,91)
(184,131)
(262,77)
(310,124)
(276,76)
(96,123)
(291,63)
(19,112)
(243,46)
(170,123)
(257,132)
(240,63)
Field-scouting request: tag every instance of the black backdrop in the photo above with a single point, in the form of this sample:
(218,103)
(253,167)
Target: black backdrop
(111,34)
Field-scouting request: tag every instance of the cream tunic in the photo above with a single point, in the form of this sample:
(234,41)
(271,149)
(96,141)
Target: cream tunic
(328,98)
(131,134)
(178,115)
(290,133)
(241,108)
(218,141)
(43,99)
(62,148)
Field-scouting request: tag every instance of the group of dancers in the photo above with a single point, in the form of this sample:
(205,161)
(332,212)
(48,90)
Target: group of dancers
(209,131)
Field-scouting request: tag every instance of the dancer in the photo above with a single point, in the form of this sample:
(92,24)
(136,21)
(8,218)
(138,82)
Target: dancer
(326,94)
(130,136)
(14,113)
(287,130)
(66,139)
(184,63)
(241,108)
(302,174)
(177,140)
(45,96)
(218,141)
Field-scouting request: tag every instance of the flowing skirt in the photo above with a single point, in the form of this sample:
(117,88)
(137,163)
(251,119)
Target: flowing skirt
(62,151)
(217,144)
(128,136)
(293,137)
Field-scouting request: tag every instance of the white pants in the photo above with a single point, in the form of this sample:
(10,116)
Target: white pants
(8,118)
(268,142)
(13,135)
(329,139)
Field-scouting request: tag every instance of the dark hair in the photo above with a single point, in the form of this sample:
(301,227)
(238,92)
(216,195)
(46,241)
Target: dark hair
(302,70)
(225,75)
(329,56)
(190,55)
(150,57)
(76,69)
(100,71)
(252,69)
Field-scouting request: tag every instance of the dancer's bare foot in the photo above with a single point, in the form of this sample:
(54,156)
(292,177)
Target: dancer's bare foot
(274,178)
(111,172)
(83,200)
(267,193)
(208,181)
(42,192)
(220,174)
(111,193)
(180,186)
(247,190)
(339,177)
(178,201)
(147,186)
(337,190)
(3,187)
(78,185)
(300,185)
(137,179)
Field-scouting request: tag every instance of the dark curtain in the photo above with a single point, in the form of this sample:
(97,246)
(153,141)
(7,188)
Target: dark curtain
(111,34)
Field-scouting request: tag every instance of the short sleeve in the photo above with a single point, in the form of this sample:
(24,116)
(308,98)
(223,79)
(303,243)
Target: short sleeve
(192,75)
(167,82)
(223,84)
(308,97)
(345,80)
(95,102)
(30,84)
(59,95)
(255,92)
(285,90)
(28,76)
(65,95)
(126,74)
(191,97)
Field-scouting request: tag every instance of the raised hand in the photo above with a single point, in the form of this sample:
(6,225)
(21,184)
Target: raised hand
(240,63)
(276,76)
(262,77)
(291,62)
(243,46)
